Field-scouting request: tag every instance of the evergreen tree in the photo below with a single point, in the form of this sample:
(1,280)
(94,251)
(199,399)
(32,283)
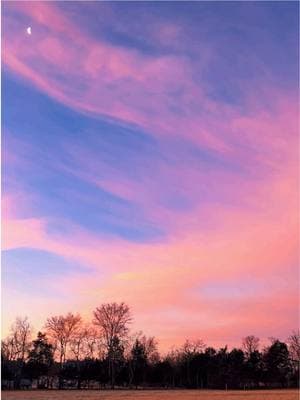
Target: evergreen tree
(138,362)
(277,363)
(40,358)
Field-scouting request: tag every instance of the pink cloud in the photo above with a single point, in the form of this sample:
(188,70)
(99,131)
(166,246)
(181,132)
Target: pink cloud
(128,85)
(156,278)
(210,243)
(110,80)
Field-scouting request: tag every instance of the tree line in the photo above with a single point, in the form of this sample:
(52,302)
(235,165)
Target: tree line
(70,353)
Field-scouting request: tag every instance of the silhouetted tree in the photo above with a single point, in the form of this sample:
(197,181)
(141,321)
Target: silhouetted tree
(210,362)
(113,320)
(15,348)
(116,358)
(8,349)
(236,369)
(250,345)
(294,346)
(253,369)
(80,347)
(190,350)
(138,362)
(62,329)
(20,338)
(105,354)
(294,351)
(277,363)
(143,354)
(40,358)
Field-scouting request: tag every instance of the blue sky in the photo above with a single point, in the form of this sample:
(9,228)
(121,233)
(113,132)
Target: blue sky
(153,143)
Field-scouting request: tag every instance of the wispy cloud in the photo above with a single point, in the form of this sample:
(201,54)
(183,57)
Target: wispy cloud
(166,170)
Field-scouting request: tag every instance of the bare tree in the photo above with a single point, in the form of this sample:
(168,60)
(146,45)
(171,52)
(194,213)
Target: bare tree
(191,347)
(95,346)
(19,340)
(8,349)
(61,329)
(294,346)
(189,350)
(79,347)
(174,358)
(250,344)
(149,344)
(143,352)
(83,342)
(113,320)
(16,346)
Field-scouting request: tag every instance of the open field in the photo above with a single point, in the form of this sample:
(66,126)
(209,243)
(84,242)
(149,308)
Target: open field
(151,395)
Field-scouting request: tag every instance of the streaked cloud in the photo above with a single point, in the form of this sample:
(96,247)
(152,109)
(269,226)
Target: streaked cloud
(158,163)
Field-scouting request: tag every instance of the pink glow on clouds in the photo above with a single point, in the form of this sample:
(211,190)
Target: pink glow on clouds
(256,241)
(164,276)
(150,81)
(108,74)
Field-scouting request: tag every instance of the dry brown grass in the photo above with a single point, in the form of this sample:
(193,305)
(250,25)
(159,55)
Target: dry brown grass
(151,395)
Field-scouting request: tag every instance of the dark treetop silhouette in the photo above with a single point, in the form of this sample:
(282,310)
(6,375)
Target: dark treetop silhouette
(74,354)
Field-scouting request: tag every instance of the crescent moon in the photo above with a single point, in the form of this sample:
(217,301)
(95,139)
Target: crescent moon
(28,30)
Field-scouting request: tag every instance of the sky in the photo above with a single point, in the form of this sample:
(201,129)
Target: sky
(150,155)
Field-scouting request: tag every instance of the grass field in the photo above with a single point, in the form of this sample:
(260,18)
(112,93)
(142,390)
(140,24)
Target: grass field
(151,395)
